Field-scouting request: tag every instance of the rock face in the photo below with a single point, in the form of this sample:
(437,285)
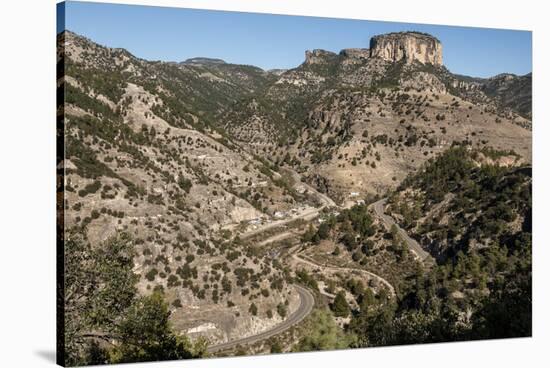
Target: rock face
(409,46)
(356,53)
(318,56)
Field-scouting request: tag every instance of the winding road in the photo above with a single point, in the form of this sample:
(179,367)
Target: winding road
(306,305)
(307,300)
(388,221)
(314,264)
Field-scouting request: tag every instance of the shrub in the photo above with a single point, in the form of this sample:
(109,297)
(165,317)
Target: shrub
(253,309)
(185,184)
(281,310)
(173,281)
(151,274)
(90,188)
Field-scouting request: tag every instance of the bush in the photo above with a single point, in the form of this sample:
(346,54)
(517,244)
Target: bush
(90,188)
(185,184)
(173,281)
(253,309)
(151,274)
(281,310)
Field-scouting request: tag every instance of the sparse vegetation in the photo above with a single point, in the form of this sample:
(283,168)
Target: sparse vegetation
(249,156)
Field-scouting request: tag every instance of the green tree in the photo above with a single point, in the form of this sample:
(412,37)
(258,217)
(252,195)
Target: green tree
(253,309)
(105,318)
(322,334)
(340,306)
(146,335)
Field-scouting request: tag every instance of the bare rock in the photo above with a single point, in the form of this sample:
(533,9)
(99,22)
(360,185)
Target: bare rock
(408,46)
(318,56)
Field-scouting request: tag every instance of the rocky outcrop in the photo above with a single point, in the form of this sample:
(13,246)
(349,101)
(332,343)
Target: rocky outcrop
(408,46)
(318,56)
(355,53)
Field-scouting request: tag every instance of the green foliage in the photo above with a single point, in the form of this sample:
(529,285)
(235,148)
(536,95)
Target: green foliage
(92,105)
(253,309)
(507,312)
(109,83)
(185,184)
(492,281)
(275,347)
(151,274)
(90,188)
(146,335)
(443,174)
(105,318)
(306,279)
(281,310)
(340,306)
(322,334)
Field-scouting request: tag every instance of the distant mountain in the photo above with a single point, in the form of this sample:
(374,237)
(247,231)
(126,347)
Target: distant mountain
(204,60)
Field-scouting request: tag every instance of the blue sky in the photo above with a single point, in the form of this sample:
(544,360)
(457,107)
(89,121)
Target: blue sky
(279,41)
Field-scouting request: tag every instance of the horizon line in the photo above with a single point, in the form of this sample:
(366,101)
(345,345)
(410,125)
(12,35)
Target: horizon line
(277,68)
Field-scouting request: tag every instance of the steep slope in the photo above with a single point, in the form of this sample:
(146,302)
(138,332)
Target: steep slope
(511,91)
(361,120)
(466,200)
(473,213)
(141,157)
(359,124)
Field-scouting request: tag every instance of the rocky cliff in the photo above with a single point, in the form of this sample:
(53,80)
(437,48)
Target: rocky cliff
(318,56)
(409,46)
(356,53)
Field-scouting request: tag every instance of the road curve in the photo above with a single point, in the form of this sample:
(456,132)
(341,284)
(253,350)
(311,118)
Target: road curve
(388,221)
(306,305)
(312,263)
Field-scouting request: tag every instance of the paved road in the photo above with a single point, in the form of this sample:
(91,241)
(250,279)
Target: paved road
(306,297)
(388,221)
(306,305)
(325,267)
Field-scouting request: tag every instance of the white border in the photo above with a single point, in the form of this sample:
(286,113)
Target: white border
(27,182)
